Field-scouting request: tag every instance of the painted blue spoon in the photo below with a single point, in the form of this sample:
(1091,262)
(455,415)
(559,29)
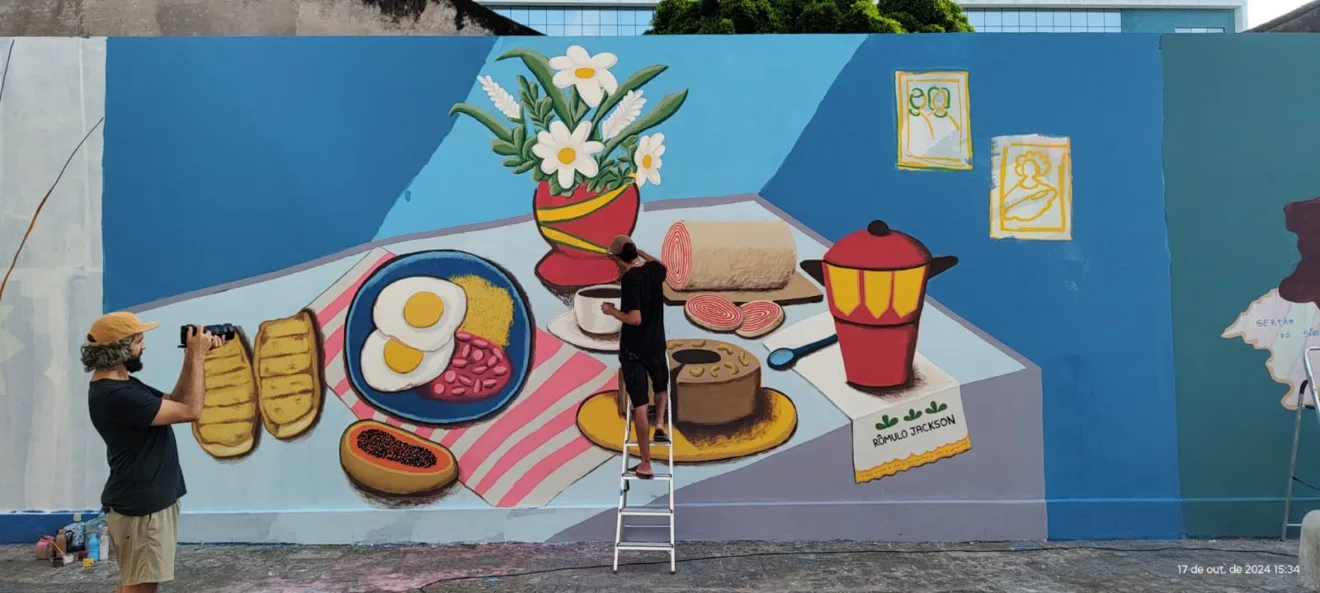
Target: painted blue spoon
(784,358)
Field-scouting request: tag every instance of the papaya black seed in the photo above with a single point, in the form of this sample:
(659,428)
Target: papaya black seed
(378,443)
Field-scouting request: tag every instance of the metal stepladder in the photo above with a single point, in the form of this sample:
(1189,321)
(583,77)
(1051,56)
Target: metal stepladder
(626,477)
(1306,398)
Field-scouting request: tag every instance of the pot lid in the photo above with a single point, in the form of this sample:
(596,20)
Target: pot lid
(878,247)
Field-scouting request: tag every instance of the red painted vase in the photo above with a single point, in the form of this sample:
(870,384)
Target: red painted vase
(579,229)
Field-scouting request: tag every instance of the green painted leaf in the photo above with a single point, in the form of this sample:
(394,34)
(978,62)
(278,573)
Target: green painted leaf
(575,107)
(526,151)
(503,148)
(520,135)
(484,119)
(912,415)
(525,167)
(537,174)
(633,83)
(523,85)
(512,161)
(665,109)
(540,67)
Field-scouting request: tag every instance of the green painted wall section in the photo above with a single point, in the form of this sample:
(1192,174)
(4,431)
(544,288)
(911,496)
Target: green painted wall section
(1240,132)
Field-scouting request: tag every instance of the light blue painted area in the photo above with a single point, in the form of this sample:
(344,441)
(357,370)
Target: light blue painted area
(1139,20)
(748,99)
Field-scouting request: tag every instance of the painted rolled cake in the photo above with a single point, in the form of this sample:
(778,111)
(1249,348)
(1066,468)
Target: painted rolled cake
(715,382)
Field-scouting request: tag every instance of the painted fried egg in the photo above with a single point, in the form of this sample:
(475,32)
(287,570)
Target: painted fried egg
(389,365)
(420,312)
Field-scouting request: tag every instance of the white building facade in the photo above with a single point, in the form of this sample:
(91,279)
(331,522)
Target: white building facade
(633,17)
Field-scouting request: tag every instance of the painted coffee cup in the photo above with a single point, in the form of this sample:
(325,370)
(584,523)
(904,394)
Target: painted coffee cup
(586,309)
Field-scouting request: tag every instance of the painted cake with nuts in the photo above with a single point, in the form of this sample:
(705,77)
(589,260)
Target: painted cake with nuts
(714,382)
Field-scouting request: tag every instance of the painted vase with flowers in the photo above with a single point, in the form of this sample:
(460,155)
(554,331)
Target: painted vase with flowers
(580,134)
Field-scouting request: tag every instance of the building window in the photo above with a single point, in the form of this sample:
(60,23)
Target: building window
(1045,21)
(1198,29)
(571,21)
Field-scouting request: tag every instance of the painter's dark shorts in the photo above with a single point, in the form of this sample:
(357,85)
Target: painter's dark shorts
(637,369)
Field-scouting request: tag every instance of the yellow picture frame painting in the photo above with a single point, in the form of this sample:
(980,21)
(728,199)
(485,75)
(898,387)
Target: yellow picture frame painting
(1031,193)
(934,120)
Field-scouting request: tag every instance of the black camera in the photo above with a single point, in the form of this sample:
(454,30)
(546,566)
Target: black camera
(224,330)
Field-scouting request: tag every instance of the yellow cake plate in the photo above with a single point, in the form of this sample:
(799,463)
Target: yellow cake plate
(598,419)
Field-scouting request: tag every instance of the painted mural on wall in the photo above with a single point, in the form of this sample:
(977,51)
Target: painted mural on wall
(454,382)
(1286,320)
(934,120)
(457,361)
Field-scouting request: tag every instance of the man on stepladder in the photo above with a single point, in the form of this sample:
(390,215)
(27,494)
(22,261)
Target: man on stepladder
(641,341)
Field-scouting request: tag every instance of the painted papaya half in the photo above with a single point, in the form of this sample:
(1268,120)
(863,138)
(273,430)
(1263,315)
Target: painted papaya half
(394,461)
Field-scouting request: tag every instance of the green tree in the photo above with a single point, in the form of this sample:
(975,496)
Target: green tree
(736,17)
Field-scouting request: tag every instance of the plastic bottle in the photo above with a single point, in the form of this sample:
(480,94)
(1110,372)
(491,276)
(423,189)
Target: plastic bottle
(94,546)
(103,554)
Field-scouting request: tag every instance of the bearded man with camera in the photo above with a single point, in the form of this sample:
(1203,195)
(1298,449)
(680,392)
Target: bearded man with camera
(141,496)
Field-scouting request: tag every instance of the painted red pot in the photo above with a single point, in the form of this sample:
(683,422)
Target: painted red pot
(875,282)
(579,229)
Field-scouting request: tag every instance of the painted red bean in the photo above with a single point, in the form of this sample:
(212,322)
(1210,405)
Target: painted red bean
(478,369)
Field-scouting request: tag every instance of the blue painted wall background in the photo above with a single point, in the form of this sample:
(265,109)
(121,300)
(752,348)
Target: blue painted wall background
(254,141)
(1079,309)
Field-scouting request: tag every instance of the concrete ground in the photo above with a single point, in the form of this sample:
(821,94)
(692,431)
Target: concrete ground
(1129,567)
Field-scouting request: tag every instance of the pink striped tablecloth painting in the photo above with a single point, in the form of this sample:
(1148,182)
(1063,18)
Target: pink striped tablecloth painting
(522,457)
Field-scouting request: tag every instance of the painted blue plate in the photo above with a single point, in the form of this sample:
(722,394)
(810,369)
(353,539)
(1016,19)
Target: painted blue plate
(417,405)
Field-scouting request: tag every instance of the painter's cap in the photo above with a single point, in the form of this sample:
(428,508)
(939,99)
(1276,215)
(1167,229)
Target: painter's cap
(619,242)
(113,327)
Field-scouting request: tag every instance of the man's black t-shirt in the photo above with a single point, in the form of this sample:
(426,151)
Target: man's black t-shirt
(643,290)
(145,476)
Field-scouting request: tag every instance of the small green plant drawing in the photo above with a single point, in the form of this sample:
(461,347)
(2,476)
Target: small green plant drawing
(912,415)
(936,407)
(885,422)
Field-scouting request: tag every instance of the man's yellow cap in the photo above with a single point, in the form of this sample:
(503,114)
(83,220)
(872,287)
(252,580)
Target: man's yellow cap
(113,327)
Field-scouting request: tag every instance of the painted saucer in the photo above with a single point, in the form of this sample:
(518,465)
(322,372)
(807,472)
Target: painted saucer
(565,327)
(771,425)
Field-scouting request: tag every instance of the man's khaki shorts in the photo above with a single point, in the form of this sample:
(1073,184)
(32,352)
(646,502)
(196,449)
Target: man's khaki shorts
(144,546)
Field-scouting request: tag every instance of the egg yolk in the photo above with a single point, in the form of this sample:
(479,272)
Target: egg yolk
(400,358)
(423,309)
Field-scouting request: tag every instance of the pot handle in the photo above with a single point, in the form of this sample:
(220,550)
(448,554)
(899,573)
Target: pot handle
(815,269)
(941,264)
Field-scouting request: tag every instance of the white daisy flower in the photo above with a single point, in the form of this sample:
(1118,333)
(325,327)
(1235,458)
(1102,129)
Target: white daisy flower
(625,113)
(647,158)
(588,73)
(567,153)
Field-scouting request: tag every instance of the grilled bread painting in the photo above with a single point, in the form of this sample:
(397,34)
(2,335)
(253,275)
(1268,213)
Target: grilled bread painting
(275,383)
(227,428)
(289,385)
